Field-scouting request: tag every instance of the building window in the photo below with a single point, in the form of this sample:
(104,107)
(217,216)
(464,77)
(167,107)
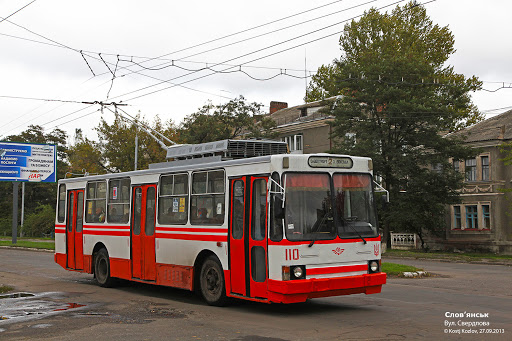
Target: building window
(486,214)
(472,217)
(173,199)
(471,170)
(295,143)
(457,221)
(456,166)
(437,168)
(477,216)
(485,168)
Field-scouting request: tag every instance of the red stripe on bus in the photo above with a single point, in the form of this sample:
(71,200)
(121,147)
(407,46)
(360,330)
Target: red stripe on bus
(197,237)
(337,269)
(192,229)
(107,233)
(60,225)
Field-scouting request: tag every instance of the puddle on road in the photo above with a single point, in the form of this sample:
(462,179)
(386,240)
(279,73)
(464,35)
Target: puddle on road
(23,306)
(17,295)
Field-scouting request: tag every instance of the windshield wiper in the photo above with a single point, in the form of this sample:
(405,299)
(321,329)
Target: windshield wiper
(350,219)
(315,227)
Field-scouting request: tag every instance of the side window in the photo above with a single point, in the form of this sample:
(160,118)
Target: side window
(137,211)
(149,227)
(173,199)
(118,201)
(259,209)
(276,223)
(62,204)
(238,210)
(80,212)
(207,198)
(96,202)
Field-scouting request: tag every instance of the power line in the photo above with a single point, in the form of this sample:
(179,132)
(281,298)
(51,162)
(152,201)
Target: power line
(10,15)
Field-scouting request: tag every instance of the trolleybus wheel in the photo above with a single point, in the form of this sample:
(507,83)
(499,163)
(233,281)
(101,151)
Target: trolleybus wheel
(102,269)
(213,287)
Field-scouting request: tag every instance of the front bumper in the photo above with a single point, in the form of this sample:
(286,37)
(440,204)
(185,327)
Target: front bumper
(301,290)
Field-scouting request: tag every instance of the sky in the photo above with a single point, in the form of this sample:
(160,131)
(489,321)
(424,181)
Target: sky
(170,58)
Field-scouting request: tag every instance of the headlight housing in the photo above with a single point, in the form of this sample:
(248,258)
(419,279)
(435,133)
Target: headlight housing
(374,266)
(293,272)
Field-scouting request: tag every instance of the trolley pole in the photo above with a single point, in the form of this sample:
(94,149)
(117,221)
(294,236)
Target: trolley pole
(136,147)
(14,212)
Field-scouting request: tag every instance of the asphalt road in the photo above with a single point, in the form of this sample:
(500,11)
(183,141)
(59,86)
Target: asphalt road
(69,306)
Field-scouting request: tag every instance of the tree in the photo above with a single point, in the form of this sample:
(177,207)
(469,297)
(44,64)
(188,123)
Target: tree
(398,100)
(117,143)
(233,119)
(85,156)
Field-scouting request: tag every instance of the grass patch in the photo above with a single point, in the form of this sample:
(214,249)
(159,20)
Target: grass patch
(5,288)
(466,256)
(30,244)
(394,269)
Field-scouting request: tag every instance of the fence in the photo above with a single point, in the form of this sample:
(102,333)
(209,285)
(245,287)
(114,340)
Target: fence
(404,241)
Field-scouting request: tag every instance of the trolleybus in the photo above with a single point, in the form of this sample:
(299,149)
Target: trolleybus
(232,218)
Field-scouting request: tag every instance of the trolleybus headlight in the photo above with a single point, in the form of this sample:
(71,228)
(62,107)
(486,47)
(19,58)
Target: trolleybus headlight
(297,272)
(294,272)
(374,266)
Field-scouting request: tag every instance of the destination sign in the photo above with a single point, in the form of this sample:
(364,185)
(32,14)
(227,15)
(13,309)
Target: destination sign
(28,162)
(330,162)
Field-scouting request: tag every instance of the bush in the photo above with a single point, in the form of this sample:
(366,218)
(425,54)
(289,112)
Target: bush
(41,222)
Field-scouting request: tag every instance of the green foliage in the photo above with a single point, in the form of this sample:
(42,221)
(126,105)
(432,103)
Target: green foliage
(394,269)
(85,156)
(226,121)
(506,148)
(398,101)
(5,288)
(117,144)
(41,222)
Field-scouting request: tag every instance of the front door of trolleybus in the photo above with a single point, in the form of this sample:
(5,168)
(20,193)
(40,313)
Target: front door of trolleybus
(143,233)
(74,230)
(248,236)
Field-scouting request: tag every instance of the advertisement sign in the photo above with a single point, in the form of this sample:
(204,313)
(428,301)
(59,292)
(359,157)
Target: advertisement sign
(28,162)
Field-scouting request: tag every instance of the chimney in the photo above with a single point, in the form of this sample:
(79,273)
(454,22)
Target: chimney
(275,106)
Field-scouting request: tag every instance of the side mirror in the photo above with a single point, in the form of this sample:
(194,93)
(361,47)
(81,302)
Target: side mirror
(278,206)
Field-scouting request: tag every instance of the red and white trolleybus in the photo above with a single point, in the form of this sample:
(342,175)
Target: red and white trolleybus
(230,218)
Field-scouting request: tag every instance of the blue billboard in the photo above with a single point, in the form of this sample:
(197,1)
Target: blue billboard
(28,162)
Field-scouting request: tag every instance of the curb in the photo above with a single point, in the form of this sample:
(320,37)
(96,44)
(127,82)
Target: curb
(26,248)
(487,261)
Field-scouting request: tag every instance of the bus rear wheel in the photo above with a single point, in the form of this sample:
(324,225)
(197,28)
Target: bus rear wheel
(102,269)
(211,280)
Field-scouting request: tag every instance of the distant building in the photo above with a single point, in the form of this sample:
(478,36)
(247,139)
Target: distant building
(304,127)
(483,220)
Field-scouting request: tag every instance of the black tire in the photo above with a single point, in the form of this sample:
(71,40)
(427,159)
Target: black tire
(211,281)
(102,269)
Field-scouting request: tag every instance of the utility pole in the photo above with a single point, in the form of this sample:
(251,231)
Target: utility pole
(15,212)
(22,207)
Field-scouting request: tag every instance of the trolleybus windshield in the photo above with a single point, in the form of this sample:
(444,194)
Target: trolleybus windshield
(318,207)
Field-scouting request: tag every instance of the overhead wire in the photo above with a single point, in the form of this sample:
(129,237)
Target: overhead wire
(10,15)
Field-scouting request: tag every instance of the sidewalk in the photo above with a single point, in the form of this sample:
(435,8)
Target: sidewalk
(450,257)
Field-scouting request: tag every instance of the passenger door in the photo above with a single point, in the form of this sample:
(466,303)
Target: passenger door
(248,236)
(143,233)
(74,230)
